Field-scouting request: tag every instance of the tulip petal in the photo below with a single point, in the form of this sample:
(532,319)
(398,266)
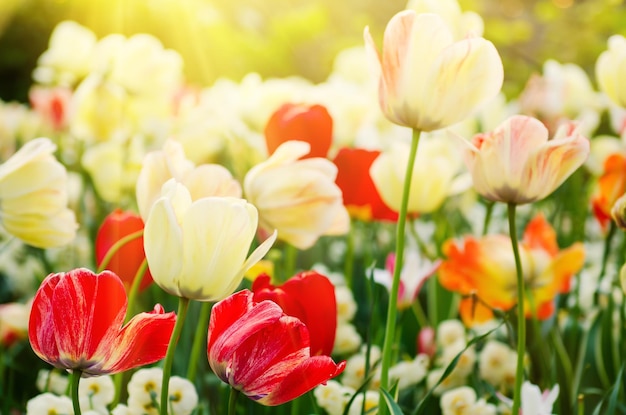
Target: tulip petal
(41,331)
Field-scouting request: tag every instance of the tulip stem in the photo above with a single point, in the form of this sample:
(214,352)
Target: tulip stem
(390,327)
(201,335)
(521,318)
(183,305)
(134,289)
(116,247)
(75,379)
(232,401)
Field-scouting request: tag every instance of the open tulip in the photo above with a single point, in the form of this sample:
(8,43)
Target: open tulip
(359,192)
(297,197)
(517,163)
(33,190)
(129,256)
(310,123)
(76,323)
(611,186)
(609,70)
(485,267)
(310,297)
(427,80)
(197,249)
(259,350)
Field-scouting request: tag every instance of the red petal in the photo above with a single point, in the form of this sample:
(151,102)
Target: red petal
(359,193)
(307,375)
(312,124)
(142,341)
(310,297)
(127,260)
(88,312)
(41,332)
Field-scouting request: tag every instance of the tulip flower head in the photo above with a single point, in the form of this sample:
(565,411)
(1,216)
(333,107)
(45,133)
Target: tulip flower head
(76,323)
(197,249)
(299,198)
(310,297)
(485,267)
(517,163)
(609,72)
(128,257)
(33,190)
(312,124)
(610,188)
(259,350)
(427,80)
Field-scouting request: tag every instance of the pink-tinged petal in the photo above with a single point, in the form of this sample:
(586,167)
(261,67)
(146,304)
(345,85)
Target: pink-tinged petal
(310,373)
(89,310)
(263,359)
(142,341)
(41,331)
(310,297)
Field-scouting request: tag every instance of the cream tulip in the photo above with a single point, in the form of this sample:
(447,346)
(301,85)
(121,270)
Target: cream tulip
(197,249)
(427,80)
(610,70)
(432,180)
(517,163)
(299,198)
(170,162)
(33,191)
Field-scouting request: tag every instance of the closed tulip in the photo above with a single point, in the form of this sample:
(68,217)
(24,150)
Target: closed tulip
(259,350)
(427,80)
(299,198)
(33,190)
(128,257)
(609,70)
(197,249)
(310,123)
(76,323)
(310,297)
(518,163)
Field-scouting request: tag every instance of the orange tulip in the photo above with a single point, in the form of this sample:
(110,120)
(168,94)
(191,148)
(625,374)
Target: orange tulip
(300,122)
(485,268)
(611,185)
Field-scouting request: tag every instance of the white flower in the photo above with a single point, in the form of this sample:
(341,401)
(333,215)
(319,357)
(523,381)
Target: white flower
(347,339)
(48,403)
(333,397)
(183,396)
(453,380)
(371,403)
(52,381)
(354,373)
(121,409)
(465,363)
(409,373)
(449,331)
(537,403)
(144,391)
(481,407)
(96,392)
(346,306)
(496,363)
(458,401)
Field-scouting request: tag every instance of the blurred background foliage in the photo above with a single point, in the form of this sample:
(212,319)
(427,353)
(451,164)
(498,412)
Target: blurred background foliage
(221,38)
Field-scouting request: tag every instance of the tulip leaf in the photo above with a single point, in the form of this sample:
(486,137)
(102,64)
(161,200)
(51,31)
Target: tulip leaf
(612,395)
(393,407)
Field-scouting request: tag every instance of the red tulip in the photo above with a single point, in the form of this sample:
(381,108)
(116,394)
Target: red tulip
(310,297)
(260,351)
(129,257)
(312,124)
(359,193)
(76,323)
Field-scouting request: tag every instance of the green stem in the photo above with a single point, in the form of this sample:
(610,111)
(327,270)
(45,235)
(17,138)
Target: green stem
(521,317)
(199,338)
(134,289)
(392,310)
(418,311)
(348,266)
(232,401)
(75,379)
(116,247)
(488,215)
(291,259)
(183,305)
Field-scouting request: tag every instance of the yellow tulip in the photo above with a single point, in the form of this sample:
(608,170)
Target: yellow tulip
(197,249)
(33,190)
(610,70)
(299,198)
(427,80)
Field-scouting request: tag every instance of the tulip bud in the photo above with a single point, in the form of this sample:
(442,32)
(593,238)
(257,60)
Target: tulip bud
(618,212)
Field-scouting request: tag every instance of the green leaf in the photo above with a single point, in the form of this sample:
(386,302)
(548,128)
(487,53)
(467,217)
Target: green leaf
(393,407)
